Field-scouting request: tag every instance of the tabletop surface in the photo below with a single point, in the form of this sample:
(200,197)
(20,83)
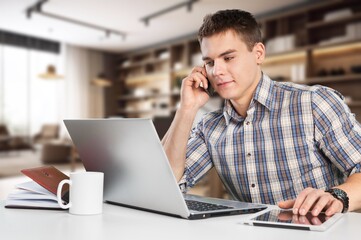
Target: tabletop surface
(124,223)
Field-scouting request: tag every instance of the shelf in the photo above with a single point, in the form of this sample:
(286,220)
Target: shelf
(295,51)
(133,97)
(153,111)
(336,48)
(301,54)
(182,72)
(299,51)
(324,23)
(297,54)
(152,61)
(333,79)
(147,78)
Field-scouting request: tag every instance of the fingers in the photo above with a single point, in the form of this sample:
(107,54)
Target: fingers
(199,77)
(299,207)
(193,89)
(335,207)
(316,200)
(201,70)
(319,205)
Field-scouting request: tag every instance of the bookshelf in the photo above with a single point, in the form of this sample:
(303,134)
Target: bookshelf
(152,78)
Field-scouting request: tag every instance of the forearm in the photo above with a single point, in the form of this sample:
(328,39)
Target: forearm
(352,187)
(176,138)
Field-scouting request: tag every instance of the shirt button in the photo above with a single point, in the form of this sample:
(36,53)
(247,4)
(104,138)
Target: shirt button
(249,154)
(253,185)
(248,123)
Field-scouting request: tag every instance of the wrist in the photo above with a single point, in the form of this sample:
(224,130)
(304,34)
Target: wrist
(188,110)
(340,195)
(185,117)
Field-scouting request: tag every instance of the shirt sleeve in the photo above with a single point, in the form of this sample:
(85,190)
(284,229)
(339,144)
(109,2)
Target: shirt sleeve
(337,132)
(198,160)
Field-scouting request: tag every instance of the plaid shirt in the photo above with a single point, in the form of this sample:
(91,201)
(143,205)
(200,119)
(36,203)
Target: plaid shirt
(293,137)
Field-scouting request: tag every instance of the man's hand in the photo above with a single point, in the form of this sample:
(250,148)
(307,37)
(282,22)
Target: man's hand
(192,92)
(314,200)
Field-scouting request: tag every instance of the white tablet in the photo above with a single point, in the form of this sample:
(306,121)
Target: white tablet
(286,219)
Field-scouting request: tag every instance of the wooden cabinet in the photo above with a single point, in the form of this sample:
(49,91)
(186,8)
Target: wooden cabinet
(147,82)
(152,78)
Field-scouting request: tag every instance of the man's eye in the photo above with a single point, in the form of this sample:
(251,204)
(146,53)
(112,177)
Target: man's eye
(228,58)
(210,63)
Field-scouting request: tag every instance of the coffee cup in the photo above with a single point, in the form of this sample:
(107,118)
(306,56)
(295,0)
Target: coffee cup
(85,193)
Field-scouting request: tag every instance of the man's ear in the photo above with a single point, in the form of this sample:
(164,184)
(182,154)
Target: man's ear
(260,51)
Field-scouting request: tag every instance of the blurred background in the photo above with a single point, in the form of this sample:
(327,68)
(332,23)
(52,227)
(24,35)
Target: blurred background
(116,58)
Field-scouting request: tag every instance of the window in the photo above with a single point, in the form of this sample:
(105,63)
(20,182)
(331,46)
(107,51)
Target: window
(27,101)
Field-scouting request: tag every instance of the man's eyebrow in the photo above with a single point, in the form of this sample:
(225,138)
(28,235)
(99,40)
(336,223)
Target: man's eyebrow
(220,55)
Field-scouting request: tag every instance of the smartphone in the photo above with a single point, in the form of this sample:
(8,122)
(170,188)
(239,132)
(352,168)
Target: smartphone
(210,90)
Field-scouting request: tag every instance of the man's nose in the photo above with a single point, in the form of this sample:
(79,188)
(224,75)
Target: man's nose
(218,68)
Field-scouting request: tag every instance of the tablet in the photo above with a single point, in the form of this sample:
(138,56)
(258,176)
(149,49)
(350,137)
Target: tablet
(286,219)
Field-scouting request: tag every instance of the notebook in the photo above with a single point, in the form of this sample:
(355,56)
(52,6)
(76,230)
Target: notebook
(136,170)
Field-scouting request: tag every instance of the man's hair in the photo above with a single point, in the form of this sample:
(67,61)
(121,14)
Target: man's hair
(241,22)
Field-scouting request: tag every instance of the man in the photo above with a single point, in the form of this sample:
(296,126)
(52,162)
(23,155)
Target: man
(273,143)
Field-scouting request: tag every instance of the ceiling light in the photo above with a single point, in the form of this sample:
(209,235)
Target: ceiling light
(188,4)
(102,81)
(37,8)
(50,73)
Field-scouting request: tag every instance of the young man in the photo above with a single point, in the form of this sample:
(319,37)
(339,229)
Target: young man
(273,143)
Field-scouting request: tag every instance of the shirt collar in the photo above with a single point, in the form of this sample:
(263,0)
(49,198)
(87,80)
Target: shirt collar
(264,95)
(264,92)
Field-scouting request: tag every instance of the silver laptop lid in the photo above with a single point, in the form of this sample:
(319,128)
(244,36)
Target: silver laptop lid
(136,170)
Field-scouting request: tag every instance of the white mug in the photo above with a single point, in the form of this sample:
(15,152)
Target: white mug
(85,193)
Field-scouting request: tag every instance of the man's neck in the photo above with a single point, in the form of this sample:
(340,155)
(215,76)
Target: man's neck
(241,105)
(241,108)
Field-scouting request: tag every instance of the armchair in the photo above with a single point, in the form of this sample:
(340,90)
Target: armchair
(9,142)
(4,138)
(48,132)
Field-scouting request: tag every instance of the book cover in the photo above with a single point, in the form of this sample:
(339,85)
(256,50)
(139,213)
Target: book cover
(48,177)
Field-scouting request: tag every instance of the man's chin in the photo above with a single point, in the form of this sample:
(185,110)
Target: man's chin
(225,95)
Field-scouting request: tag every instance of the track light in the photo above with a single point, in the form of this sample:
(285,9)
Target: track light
(188,4)
(37,8)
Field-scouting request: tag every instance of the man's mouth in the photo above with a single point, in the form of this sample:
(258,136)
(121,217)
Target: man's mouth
(224,83)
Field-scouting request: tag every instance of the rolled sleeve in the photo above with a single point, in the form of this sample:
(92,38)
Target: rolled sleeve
(337,131)
(198,160)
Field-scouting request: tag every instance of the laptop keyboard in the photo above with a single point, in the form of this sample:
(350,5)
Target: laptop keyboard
(202,206)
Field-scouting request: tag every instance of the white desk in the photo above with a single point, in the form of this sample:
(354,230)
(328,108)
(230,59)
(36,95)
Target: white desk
(123,223)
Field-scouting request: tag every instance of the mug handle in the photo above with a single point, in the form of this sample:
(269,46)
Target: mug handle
(58,194)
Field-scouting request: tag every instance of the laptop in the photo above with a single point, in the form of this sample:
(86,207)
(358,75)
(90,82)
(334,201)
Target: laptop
(137,173)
